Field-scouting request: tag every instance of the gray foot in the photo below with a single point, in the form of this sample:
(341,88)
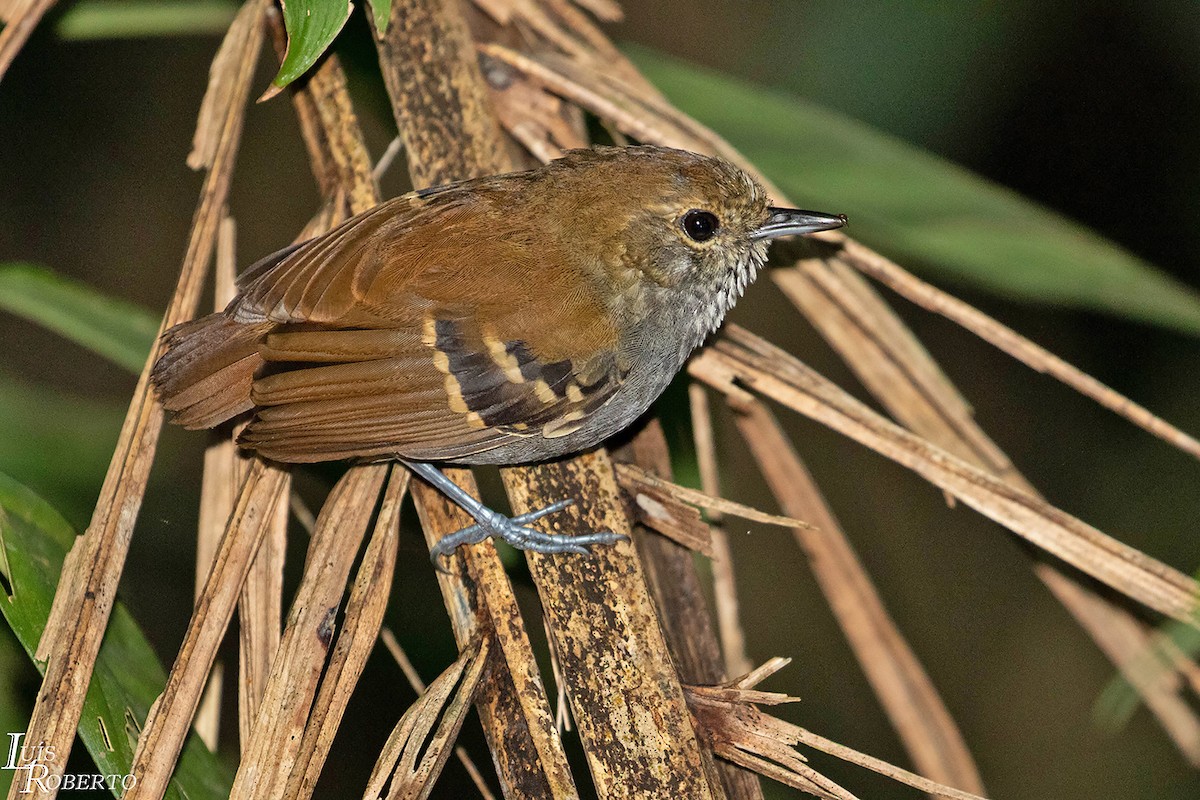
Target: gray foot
(515,531)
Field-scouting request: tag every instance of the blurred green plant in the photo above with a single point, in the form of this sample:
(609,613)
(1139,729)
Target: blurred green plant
(114,328)
(57,444)
(14,694)
(107,19)
(34,540)
(1119,699)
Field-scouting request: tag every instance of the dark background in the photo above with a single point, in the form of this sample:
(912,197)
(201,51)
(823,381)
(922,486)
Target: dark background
(1089,108)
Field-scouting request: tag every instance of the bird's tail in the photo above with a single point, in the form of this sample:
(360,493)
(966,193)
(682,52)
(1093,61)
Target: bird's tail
(207,368)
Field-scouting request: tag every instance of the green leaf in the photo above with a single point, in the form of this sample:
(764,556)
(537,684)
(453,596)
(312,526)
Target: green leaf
(311,26)
(16,676)
(382,9)
(34,539)
(919,209)
(116,329)
(117,19)
(57,444)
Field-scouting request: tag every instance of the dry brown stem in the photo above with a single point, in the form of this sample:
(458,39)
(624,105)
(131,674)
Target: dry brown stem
(363,617)
(901,684)
(741,732)
(776,374)
(633,479)
(630,713)
(170,717)
(1014,344)
(92,570)
(411,761)
(308,635)
(729,626)
(20,18)
(683,610)
(414,680)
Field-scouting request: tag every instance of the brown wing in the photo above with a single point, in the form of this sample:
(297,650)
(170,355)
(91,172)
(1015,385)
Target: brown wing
(402,333)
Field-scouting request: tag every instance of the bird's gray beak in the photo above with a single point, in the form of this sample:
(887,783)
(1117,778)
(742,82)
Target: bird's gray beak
(793,221)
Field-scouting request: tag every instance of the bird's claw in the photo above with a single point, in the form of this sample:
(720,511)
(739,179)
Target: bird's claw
(516,532)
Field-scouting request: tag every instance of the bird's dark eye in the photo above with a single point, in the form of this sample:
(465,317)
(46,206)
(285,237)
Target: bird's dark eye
(699,225)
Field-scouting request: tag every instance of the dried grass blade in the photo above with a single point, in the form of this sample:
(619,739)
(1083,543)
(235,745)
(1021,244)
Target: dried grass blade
(414,680)
(93,568)
(618,104)
(260,613)
(533,14)
(20,20)
(582,26)
(739,729)
(816,742)
(889,360)
(219,484)
(683,611)
(898,371)
(633,478)
(760,673)
(908,696)
(778,375)
(207,722)
(364,615)
(167,724)
(729,728)
(413,779)
(541,122)
(1014,344)
(671,517)
(308,634)
(605,10)
(729,626)
(795,773)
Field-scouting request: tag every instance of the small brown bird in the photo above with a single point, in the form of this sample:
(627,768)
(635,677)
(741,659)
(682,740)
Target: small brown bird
(502,320)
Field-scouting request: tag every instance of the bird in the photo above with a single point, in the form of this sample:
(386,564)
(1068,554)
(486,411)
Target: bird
(507,320)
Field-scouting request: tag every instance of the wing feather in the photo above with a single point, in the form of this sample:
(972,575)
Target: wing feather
(397,336)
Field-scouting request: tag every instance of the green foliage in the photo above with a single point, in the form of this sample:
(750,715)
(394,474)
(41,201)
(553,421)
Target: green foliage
(57,444)
(34,540)
(311,27)
(118,330)
(382,9)
(109,19)
(919,209)
(15,695)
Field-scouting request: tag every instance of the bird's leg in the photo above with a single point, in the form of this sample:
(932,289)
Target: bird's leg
(513,530)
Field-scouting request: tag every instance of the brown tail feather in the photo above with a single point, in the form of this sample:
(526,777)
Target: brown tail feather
(207,370)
